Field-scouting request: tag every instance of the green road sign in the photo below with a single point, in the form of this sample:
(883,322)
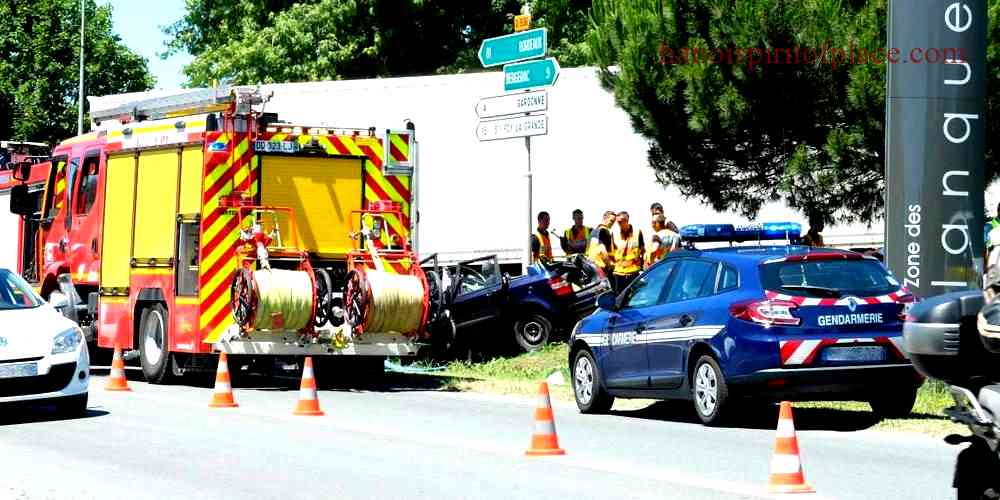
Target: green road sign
(524,75)
(514,47)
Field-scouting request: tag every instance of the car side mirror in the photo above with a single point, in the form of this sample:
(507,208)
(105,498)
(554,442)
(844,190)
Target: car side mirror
(607,301)
(20,202)
(505,282)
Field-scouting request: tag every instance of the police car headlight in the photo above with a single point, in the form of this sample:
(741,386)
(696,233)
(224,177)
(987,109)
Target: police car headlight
(67,341)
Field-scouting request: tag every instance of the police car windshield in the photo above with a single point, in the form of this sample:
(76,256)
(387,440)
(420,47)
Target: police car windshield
(828,278)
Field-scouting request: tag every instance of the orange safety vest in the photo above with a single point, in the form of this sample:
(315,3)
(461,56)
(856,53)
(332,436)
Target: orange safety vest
(576,237)
(544,246)
(667,238)
(628,255)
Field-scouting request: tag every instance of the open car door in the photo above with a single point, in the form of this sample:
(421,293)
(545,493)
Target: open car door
(476,291)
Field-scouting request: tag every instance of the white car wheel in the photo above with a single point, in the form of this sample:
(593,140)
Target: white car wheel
(709,390)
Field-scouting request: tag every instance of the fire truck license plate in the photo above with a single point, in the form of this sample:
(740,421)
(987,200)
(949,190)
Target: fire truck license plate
(18,370)
(862,353)
(276,147)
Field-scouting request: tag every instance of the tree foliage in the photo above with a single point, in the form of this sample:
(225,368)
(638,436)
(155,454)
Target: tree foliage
(266,41)
(738,136)
(39,58)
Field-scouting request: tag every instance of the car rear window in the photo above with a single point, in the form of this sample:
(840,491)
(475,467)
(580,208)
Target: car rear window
(828,278)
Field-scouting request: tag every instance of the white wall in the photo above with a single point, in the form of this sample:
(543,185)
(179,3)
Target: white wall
(473,194)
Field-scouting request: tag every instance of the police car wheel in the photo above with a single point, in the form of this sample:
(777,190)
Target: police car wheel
(709,390)
(587,388)
(894,401)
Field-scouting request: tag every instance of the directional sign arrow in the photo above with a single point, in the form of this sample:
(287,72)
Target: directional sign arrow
(512,104)
(529,74)
(514,47)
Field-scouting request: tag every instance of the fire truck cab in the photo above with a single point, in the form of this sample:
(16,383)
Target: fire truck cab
(191,224)
(23,171)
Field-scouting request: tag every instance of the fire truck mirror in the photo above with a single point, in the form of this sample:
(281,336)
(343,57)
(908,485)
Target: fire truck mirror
(20,202)
(22,171)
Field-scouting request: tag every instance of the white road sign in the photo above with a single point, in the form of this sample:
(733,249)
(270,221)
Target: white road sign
(508,128)
(512,104)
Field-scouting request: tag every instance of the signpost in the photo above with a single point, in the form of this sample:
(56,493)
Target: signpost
(512,104)
(525,75)
(509,128)
(516,109)
(515,47)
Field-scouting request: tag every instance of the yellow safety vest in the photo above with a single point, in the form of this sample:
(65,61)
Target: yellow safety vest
(628,255)
(544,246)
(576,237)
(596,251)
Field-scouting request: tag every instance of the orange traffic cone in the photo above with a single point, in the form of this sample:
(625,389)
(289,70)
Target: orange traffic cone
(544,440)
(223,395)
(117,380)
(786,465)
(308,401)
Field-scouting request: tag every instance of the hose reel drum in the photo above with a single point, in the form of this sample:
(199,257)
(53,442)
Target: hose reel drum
(273,299)
(381,301)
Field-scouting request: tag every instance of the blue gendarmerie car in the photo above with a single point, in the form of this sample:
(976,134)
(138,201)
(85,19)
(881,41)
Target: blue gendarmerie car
(748,323)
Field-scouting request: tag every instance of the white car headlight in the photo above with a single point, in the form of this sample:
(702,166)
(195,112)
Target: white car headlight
(67,341)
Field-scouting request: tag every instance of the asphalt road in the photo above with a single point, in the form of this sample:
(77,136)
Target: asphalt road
(405,440)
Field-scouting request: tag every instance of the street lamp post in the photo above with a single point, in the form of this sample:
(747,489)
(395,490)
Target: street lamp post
(79,118)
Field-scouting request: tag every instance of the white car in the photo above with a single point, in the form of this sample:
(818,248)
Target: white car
(43,357)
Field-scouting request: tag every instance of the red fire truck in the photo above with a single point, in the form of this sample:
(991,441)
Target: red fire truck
(195,223)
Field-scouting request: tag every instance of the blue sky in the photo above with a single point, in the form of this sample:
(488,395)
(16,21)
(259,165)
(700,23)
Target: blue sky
(139,24)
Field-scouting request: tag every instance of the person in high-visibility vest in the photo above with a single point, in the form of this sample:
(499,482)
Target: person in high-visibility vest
(814,237)
(600,245)
(541,246)
(628,251)
(662,242)
(657,209)
(574,240)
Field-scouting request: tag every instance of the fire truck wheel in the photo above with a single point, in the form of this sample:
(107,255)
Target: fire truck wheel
(154,353)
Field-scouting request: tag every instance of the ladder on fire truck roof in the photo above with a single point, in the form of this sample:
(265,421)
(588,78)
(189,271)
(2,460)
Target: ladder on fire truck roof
(195,101)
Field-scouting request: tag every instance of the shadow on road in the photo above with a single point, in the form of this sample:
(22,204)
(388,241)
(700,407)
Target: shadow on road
(37,413)
(289,380)
(765,417)
(388,382)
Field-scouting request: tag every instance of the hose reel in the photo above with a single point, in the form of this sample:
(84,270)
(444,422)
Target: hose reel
(379,301)
(272,299)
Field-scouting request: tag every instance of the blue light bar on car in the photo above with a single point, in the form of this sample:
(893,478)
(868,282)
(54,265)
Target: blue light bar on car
(708,232)
(742,232)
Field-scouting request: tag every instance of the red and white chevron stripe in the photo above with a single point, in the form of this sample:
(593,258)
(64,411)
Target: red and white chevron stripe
(901,295)
(803,352)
